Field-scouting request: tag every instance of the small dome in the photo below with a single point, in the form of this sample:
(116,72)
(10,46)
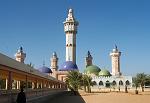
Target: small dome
(93,69)
(68,65)
(45,69)
(104,72)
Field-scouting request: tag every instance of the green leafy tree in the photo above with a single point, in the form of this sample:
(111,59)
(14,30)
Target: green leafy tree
(73,80)
(147,83)
(87,83)
(140,80)
(136,84)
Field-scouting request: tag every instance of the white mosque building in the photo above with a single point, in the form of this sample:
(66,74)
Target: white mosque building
(101,77)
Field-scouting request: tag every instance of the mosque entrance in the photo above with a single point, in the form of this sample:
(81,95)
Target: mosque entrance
(107,84)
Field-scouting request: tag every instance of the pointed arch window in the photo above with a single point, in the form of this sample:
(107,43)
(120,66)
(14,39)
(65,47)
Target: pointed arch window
(114,83)
(101,83)
(120,82)
(127,82)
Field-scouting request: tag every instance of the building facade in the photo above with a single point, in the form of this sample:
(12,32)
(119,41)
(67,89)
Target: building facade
(102,77)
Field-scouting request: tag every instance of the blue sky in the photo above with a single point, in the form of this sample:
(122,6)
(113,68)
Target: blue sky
(37,25)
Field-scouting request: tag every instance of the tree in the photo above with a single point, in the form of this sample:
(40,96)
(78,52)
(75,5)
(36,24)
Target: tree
(87,83)
(73,80)
(140,79)
(147,83)
(135,81)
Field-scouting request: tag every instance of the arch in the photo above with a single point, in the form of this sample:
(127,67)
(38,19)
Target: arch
(70,45)
(120,82)
(101,83)
(114,83)
(2,83)
(127,82)
(107,84)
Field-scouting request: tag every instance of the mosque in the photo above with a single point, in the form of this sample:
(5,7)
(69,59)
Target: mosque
(102,77)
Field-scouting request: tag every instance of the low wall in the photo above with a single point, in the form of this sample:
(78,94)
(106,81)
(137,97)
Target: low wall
(31,95)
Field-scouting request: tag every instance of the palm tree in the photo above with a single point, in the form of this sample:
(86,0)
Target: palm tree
(135,81)
(140,79)
(87,83)
(136,84)
(73,80)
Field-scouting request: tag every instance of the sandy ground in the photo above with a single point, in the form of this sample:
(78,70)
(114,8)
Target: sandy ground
(114,97)
(108,97)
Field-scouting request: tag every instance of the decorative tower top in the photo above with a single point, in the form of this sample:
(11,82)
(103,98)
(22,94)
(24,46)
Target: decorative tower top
(88,54)
(54,64)
(70,15)
(88,60)
(54,61)
(20,55)
(70,25)
(115,57)
(54,55)
(115,48)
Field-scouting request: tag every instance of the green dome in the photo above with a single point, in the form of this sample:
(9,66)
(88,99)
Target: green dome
(104,72)
(93,69)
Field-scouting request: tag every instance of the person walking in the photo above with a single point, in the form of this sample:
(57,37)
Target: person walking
(21,98)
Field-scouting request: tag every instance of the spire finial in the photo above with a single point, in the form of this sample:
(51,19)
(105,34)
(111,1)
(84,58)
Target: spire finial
(54,55)
(20,49)
(115,46)
(70,14)
(43,62)
(88,54)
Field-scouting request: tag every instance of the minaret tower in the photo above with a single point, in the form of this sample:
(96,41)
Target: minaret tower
(88,59)
(54,64)
(70,28)
(20,55)
(115,58)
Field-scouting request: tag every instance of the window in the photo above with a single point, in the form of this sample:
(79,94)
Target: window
(101,83)
(114,83)
(127,82)
(107,84)
(120,82)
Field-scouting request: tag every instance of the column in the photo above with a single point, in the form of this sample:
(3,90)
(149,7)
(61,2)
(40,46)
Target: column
(6,84)
(33,85)
(17,84)
(9,80)
(26,82)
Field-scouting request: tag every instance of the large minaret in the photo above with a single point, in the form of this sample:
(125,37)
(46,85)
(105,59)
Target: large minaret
(115,57)
(88,59)
(70,28)
(20,55)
